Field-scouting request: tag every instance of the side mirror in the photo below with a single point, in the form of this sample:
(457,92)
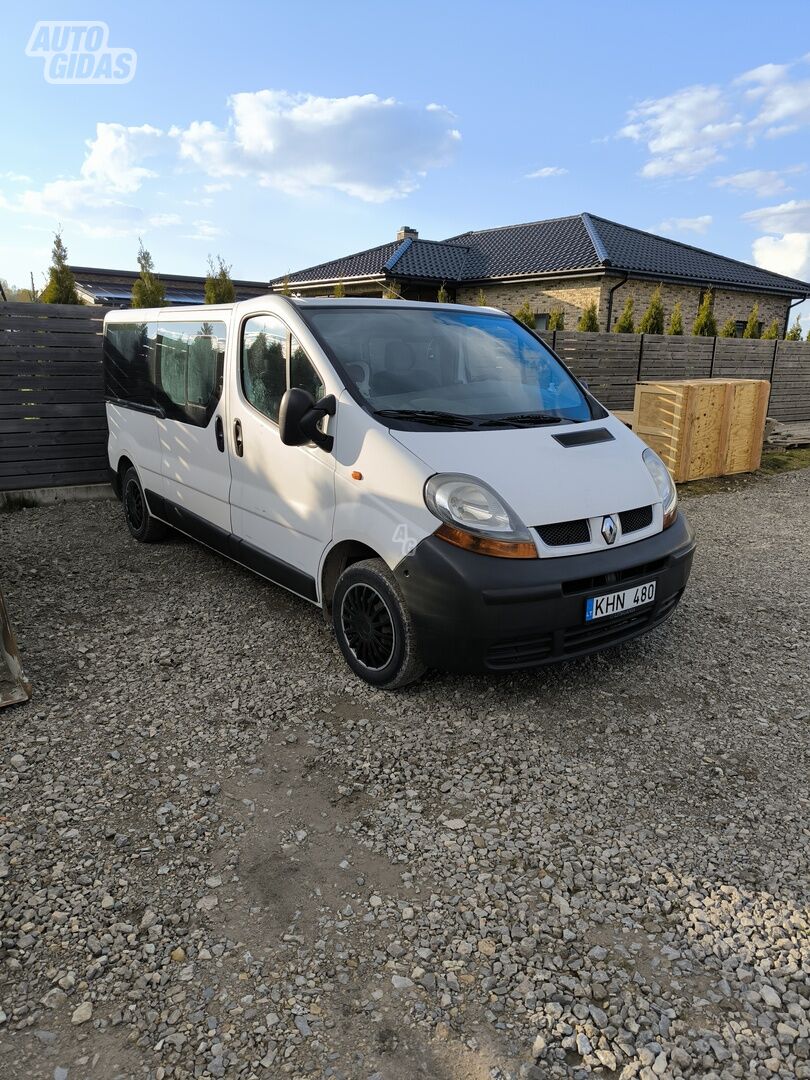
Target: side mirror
(300,415)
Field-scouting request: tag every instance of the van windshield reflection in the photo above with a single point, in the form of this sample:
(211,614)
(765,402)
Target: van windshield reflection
(449,369)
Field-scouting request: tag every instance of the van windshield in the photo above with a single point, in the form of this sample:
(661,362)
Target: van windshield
(448,368)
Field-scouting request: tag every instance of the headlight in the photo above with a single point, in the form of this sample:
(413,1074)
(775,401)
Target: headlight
(664,483)
(476,518)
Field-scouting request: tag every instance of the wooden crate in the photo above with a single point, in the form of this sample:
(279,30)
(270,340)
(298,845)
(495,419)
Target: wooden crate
(703,427)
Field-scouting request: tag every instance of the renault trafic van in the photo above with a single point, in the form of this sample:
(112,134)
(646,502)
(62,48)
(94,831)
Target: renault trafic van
(431,475)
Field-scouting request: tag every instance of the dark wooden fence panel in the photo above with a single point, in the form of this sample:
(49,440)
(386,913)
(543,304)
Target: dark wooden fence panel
(53,427)
(675,357)
(607,362)
(742,358)
(790,391)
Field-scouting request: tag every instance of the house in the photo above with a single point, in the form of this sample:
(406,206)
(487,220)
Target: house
(563,263)
(113,288)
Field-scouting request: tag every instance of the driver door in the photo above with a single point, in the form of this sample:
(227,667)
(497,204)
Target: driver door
(282,497)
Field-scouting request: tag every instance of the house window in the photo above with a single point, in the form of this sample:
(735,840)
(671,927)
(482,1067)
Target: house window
(541,320)
(741,324)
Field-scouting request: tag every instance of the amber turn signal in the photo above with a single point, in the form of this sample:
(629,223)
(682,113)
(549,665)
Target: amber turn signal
(486,545)
(670,516)
(357,475)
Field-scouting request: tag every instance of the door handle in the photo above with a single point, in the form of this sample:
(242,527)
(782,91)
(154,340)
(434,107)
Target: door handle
(237,438)
(219,431)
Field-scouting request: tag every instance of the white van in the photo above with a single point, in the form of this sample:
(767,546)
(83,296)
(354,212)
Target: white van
(430,475)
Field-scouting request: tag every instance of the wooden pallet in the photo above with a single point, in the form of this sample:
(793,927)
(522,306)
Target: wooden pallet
(703,427)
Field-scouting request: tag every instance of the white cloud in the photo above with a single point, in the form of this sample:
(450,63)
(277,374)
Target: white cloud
(684,131)
(15,178)
(204,230)
(790,216)
(96,200)
(786,250)
(690,129)
(788,254)
(368,147)
(686,224)
(762,182)
(546,172)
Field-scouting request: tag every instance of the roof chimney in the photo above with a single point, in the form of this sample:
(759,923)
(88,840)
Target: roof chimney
(407,233)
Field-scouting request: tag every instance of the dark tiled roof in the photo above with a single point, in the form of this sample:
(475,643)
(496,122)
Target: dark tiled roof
(429,259)
(581,242)
(540,247)
(643,252)
(362,264)
(114,287)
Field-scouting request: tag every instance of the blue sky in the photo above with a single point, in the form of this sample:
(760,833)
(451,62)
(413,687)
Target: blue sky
(278,135)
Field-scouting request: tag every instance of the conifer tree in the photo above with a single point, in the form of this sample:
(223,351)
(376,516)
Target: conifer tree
(218,285)
(752,327)
(588,320)
(442,296)
(705,324)
(525,315)
(625,321)
(285,286)
(147,289)
(675,324)
(728,329)
(652,321)
(339,290)
(556,320)
(481,299)
(771,331)
(795,332)
(61,287)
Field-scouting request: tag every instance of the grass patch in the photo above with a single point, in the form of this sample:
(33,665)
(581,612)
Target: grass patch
(773,463)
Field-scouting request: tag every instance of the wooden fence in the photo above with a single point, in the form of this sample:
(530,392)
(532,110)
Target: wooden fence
(53,429)
(612,364)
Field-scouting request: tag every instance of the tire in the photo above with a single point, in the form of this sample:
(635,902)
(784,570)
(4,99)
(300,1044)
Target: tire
(142,526)
(374,628)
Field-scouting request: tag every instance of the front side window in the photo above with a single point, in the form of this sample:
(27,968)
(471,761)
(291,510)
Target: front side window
(264,363)
(302,373)
(190,364)
(473,367)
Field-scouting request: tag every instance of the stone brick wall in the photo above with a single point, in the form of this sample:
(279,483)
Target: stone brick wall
(727,304)
(570,294)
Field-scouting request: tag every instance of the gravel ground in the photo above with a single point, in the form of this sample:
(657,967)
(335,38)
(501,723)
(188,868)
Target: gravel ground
(222,856)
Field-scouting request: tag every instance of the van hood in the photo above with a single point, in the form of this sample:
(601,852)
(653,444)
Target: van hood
(543,481)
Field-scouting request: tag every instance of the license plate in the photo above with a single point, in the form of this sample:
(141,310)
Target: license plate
(597,607)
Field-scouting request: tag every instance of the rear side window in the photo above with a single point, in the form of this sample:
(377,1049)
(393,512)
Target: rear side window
(129,363)
(190,359)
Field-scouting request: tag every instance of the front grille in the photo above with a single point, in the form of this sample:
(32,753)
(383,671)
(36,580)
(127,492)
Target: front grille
(602,581)
(562,533)
(522,653)
(633,520)
(564,644)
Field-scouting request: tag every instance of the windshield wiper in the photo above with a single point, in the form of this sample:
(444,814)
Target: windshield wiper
(427,416)
(527,420)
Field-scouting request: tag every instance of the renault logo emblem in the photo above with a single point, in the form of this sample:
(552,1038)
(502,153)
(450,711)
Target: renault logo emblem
(609,530)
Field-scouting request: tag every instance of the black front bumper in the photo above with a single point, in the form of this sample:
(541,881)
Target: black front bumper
(478,613)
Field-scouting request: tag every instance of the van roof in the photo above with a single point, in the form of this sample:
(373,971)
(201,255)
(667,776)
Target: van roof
(191,311)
